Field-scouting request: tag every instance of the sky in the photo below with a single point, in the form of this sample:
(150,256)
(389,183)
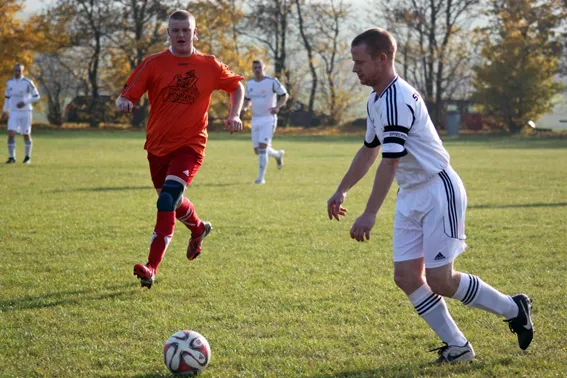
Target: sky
(35,5)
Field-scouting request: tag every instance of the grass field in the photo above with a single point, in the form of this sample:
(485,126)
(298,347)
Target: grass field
(280,291)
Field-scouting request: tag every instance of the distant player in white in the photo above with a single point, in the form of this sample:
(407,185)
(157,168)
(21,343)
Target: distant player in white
(429,225)
(20,94)
(267,95)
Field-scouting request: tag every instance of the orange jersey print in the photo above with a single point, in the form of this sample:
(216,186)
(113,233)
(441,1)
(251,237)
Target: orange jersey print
(179,90)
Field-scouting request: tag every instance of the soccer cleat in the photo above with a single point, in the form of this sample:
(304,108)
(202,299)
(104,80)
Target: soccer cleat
(27,160)
(522,324)
(449,354)
(259,182)
(279,160)
(146,274)
(196,243)
(11,160)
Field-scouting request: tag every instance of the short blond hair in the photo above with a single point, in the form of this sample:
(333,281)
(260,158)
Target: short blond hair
(377,41)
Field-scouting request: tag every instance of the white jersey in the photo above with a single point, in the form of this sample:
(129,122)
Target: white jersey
(18,90)
(263,95)
(399,121)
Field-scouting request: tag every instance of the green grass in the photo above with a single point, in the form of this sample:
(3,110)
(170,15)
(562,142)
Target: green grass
(280,291)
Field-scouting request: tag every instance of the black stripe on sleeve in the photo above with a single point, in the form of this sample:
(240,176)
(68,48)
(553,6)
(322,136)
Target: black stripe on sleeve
(401,129)
(394,155)
(395,105)
(375,143)
(397,140)
(388,116)
(7,97)
(246,98)
(412,114)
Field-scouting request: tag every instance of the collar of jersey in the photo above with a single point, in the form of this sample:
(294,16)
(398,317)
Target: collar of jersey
(388,87)
(194,52)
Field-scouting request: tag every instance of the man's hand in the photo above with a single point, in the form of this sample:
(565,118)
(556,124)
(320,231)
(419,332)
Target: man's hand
(124,105)
(334,208)
(275,110)
(233,124)
(20,104)
(362,226)
(4,116)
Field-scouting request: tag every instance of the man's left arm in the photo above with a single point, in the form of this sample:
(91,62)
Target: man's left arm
(396,128)
(283,96)
(281,101)
(234,123)
(34,95)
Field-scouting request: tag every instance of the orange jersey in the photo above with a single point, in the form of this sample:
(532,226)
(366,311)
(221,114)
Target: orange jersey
(179,90)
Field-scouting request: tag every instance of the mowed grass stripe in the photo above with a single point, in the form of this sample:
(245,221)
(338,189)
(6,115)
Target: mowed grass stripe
(280,291)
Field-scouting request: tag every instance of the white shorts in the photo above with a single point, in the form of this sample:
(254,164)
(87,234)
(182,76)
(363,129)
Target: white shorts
(263,129)
(430,221)
(20,122)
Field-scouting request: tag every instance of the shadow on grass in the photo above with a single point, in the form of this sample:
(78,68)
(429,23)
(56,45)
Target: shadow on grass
(103,189)
(403,371)
(75,297)
(518,205)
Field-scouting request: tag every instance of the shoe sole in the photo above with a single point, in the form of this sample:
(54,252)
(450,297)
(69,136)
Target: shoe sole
(208,229)
(145,282)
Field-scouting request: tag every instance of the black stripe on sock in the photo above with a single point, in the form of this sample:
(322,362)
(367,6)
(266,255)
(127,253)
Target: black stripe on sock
(433,303)
(472,290)
(426,302)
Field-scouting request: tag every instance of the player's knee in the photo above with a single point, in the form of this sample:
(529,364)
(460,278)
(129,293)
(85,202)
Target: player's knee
(170,195)
(407,280)
(440,285)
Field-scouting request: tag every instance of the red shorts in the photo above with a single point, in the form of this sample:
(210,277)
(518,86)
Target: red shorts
(180,165)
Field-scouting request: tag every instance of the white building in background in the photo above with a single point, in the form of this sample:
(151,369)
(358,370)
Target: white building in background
(557,119)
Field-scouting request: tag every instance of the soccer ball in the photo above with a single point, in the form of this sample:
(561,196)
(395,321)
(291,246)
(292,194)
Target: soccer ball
(186,353)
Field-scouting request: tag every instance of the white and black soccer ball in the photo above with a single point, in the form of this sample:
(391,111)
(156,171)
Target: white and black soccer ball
(186,353)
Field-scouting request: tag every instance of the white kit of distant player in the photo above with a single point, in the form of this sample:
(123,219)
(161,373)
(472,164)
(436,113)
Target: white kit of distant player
(19,96)
(262,93)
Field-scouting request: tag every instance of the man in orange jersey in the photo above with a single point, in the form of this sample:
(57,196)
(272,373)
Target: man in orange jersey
(179,82)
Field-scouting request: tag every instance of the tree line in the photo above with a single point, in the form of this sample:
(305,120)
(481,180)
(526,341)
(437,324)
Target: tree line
(503,55)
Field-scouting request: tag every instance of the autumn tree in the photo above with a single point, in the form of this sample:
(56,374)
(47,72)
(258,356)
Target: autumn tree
(268,22)
(341,88)
(140,31)
(17,40)
(218,30)
(92,22)
(433,47)
(521,54)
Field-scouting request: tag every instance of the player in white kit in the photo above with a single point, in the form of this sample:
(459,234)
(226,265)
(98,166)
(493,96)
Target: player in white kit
(429,225)
(20,94)
(267,95)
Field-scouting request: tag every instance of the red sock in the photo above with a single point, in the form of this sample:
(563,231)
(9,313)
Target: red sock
(187,215)
(163,232)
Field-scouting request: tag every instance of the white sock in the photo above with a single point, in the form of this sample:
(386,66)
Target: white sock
(475,292)
(27,148)
(262,163)
(12,149)
(433,309)
(274,153)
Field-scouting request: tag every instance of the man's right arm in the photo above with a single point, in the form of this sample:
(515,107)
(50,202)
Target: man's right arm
(363,160)
(134,88)
(360,165)
(6,103)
